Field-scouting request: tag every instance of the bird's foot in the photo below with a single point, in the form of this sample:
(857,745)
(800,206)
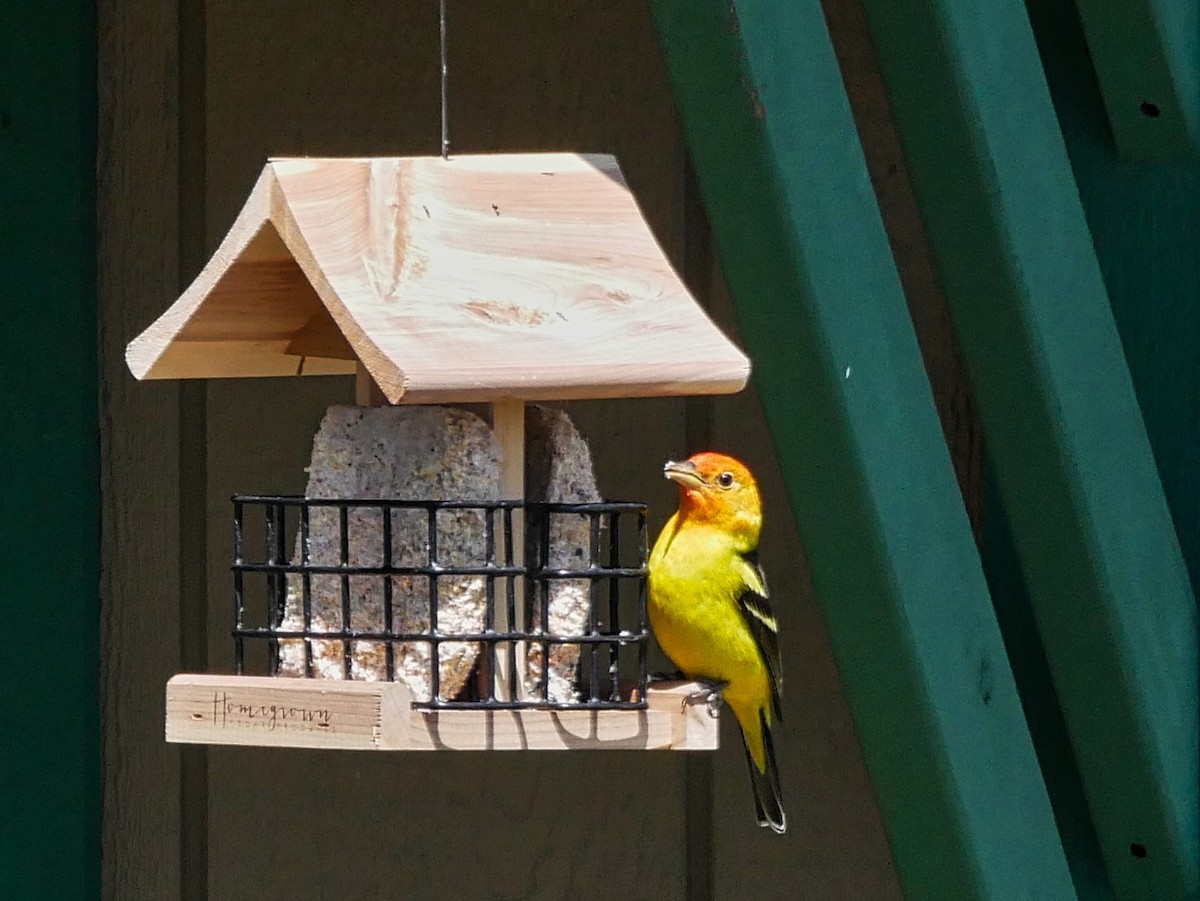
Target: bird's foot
(710,695)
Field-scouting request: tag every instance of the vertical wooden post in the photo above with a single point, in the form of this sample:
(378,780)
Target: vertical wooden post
(508,422)
(139,219)
(366,392)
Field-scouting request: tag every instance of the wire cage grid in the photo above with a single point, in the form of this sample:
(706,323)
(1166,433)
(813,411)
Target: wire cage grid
(606,679)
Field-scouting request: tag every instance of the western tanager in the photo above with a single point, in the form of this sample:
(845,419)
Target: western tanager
(708,606)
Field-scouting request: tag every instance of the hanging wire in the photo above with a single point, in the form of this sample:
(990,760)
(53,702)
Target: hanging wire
(445,115)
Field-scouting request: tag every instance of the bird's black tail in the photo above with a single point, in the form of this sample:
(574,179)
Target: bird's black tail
(768,799)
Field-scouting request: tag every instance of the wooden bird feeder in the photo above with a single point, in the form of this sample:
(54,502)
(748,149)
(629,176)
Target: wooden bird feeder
(477,279)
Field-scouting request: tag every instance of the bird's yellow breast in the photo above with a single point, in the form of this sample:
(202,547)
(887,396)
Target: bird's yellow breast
(694,586)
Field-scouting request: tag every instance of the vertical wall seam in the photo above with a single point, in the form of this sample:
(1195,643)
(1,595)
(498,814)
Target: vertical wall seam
(193,446)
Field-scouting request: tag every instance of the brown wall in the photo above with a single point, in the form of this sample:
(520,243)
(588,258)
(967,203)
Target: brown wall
(195,96)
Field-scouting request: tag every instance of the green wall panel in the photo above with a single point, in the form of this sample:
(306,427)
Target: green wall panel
(49,531)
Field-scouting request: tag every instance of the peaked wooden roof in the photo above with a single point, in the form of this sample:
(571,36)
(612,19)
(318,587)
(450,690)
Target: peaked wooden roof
(469,279)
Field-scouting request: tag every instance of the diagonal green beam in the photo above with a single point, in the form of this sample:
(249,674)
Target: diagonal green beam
(1146,54)
(1074,469)
(888,542)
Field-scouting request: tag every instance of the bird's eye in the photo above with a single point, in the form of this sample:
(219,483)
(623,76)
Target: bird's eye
(725,480)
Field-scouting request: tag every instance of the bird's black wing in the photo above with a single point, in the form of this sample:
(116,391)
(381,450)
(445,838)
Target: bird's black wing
(756,610)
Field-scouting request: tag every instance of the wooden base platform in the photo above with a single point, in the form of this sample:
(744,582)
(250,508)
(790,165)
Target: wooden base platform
(319,713)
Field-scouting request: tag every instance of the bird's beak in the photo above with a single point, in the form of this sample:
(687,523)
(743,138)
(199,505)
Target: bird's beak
(684,473)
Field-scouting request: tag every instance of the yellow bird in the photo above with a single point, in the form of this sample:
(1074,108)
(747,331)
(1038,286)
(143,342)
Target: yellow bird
(708,606)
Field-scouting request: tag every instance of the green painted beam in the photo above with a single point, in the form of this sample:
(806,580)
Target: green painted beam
(888,542)
(1146,228)
(1040,702)
(1073,466)
(1145,225)
(1146,54)
(49,520)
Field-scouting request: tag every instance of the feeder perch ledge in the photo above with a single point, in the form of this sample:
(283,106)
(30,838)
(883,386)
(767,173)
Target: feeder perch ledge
(378,716)
(530,276)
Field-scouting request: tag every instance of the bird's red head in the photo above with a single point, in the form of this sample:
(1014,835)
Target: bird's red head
(721,491)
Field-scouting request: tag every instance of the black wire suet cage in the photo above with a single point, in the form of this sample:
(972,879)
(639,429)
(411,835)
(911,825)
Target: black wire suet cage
(275,613)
